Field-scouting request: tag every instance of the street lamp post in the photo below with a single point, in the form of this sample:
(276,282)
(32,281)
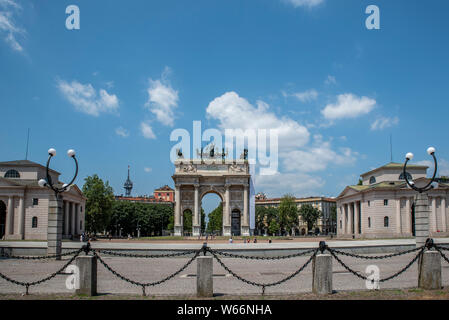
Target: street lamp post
(55,205)
(422,231)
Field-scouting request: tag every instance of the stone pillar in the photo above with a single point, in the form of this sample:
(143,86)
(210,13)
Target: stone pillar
(421,219)
(443,214)
(87,266)
(398,217)
(73,230)
(10,217)
(429,277)
(322,274)
(433,218)
(196,225)
(204,277)
(54,229)
(21,230)
(178,222)
(77,219)
(343,219)
(356,218)
(66,218)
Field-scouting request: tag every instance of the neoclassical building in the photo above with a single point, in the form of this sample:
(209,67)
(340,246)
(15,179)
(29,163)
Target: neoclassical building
(325,224)
(383,205)
(24,204)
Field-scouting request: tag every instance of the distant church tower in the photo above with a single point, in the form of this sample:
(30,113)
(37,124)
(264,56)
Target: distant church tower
(128,186)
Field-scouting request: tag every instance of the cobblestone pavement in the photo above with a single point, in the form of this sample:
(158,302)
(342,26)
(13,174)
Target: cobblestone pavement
(185,283)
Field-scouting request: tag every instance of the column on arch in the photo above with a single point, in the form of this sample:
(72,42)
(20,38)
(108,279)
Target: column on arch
(177,218)
(196,212)
(227,213)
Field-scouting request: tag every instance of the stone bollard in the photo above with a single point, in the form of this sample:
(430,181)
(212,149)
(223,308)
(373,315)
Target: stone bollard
(429,277)
(204,277)
(87,275)
(322,274)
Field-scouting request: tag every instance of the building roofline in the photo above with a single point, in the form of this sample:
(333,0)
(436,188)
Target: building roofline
(25,163)
(394,166)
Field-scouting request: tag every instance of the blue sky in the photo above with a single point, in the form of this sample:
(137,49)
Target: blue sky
(116,88)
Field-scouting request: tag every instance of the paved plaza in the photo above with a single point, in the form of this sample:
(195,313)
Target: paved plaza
(149,270)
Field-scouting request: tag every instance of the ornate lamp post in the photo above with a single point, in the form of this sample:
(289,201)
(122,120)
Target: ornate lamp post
(55,206)
(421,200)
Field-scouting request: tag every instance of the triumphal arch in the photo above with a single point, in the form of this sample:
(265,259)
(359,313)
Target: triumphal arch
(211,172)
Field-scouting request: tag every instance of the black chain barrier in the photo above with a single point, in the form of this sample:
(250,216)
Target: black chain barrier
(146,284)
(131,255)
(265,285)
(216,253)
(27,285)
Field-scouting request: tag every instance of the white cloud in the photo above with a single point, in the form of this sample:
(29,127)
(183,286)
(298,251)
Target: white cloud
(330,80)
(299,184)
(147,169)
(443,167)
(317,157)
(235,112)
(382,123)
(304,3)
(8,27)
(162,99)
(85,98)
(147,131)
(306,96)
(348,106)
(120,131)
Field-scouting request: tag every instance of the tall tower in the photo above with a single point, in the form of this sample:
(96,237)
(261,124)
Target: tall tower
(128,186)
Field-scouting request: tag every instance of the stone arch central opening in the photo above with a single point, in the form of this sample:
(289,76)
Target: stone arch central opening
(212,207)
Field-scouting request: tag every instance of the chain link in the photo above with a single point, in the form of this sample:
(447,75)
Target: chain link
(387,256)
(33,283)
(147,284)
(438,248)
(263,285)
(6,255)
(332,252)
(131,255)
(232,255)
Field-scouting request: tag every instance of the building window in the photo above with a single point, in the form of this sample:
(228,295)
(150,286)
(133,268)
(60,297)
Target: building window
(386,222)
(372,180)
(12,174)
(409,176)
(34,222)
(386,202)
(35,201)
(369,222)
(341,226)
(369,203)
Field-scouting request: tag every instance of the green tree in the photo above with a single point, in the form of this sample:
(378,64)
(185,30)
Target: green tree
(288,213)
(187,221)
(310,215)
(274,227)
(360,182)
(215,223)
(100,198)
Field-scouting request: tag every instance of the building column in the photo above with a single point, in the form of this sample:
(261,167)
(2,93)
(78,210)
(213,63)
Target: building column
(434,225)
(77,218)
(408,216)
(356,217)
(72,205)
(343,218)
(21,230)
(443,214)
(66,218)
(196,225)
(178,222)
(10,217)
(227,213)
(245,225)
(398,217)
(350,218)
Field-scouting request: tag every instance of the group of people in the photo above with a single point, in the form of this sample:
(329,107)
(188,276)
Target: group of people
(248,240)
